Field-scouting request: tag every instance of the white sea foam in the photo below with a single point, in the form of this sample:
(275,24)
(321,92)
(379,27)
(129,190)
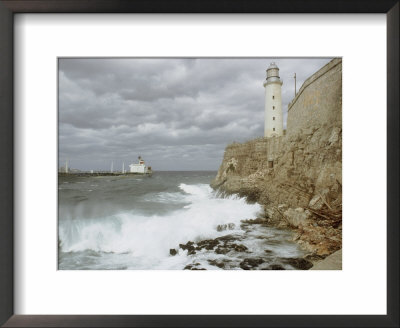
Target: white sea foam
(149,238)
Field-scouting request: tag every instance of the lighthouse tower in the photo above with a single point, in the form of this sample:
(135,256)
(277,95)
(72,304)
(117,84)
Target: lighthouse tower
(273,103)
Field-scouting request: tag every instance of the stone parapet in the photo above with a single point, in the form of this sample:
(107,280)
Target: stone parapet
(319,99)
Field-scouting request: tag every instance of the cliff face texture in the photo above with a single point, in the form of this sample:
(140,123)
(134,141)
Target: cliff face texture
(297,177)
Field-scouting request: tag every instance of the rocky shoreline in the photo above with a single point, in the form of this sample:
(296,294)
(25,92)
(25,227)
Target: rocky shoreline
(319,235)
(301,192)
(240,256)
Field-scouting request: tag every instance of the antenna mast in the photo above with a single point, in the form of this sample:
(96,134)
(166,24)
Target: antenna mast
(295,88)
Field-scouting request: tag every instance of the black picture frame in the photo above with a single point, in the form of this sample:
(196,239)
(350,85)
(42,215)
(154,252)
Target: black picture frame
(10,7)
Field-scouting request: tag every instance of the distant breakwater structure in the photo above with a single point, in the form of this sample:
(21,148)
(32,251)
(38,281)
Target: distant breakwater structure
(90,174)
(297,176)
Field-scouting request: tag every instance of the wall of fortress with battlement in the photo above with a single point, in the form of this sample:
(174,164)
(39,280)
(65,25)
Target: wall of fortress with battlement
(319,99)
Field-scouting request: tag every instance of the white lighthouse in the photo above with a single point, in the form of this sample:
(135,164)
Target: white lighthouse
(273,103)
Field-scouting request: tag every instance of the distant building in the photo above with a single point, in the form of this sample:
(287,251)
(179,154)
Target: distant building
(139,167)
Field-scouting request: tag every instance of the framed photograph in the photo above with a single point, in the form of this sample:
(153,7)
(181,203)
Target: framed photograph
(184,202)
(205,164)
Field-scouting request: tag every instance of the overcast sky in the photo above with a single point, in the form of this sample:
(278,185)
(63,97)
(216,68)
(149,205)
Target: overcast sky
(178,114)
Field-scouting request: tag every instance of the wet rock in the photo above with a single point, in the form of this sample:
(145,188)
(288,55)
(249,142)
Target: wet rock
(268,251)
(226,238)
(251,263)
(221,245)
(239,248)
(216,263)
(255,221)
(275,267)
(298,263)
(189,246)
(208,244)
(221,250)
(223,227)
(173,251)
(186,246)
(193,266)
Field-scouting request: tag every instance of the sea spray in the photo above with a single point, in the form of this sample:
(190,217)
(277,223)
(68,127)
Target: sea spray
(153,236)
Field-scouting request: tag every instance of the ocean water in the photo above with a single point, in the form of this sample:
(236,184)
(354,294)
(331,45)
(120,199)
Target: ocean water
(132,222)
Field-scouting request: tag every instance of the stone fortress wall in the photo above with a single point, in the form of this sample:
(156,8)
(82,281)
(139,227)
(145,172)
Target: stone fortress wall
(319,99)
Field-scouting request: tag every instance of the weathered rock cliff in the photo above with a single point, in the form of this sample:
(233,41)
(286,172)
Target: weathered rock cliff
(297,177)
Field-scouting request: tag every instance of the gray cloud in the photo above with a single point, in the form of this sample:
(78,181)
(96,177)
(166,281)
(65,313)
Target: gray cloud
(179,114)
